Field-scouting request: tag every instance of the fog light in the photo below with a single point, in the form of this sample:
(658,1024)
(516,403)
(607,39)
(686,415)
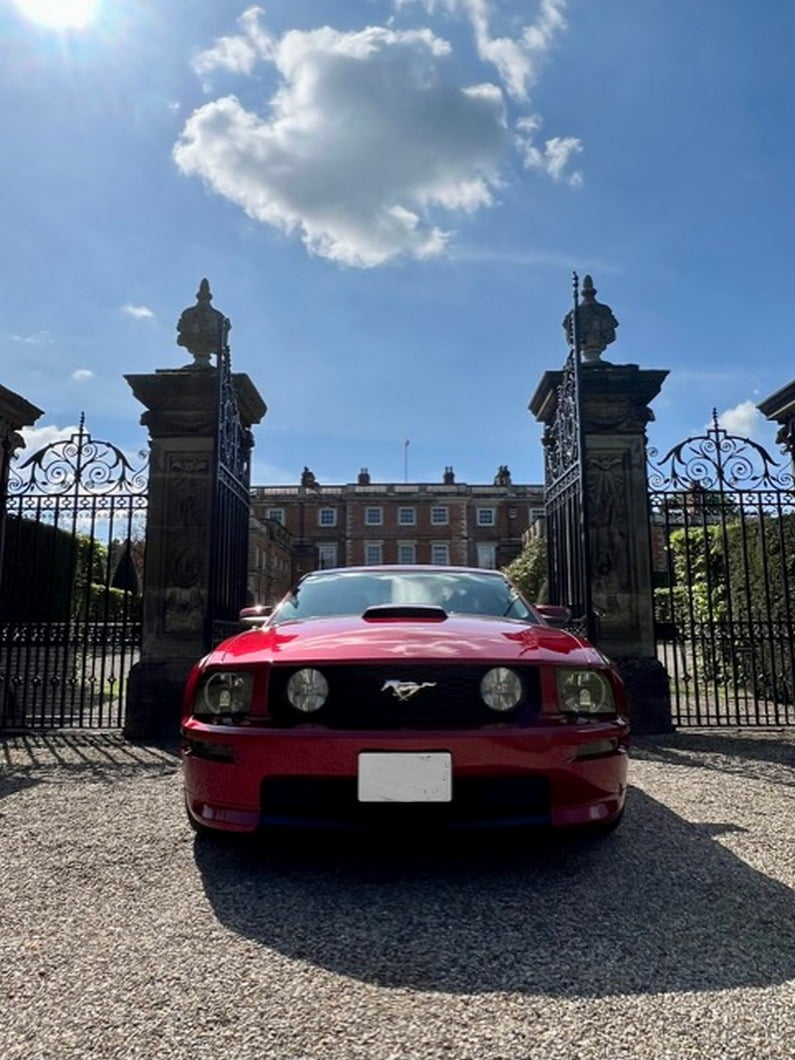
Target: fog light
(213,752)
(596,749)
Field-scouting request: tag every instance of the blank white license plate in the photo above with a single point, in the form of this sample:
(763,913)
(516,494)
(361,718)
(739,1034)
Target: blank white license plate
(424,776)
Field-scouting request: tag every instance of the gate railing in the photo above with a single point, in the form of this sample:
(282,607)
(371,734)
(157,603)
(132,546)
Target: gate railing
(231,503)
(566,493)
(70,592)
(723,532)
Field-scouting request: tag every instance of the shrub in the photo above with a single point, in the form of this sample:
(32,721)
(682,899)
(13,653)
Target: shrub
(529,570)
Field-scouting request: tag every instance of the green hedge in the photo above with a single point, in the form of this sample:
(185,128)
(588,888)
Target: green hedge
(732,595)
(38,572)
(51,575)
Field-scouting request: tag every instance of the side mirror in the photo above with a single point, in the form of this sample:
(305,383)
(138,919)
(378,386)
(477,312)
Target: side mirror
(554,614)
(255,615)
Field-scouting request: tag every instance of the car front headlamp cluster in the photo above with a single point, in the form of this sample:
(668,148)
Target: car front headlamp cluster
(585,692)
(307,690)
(501,689)
(222,693)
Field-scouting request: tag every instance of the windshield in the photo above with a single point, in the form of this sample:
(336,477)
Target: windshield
(352,592)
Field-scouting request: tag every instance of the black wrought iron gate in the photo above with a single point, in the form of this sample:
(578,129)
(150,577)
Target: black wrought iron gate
(723,554)
(70,584)
(566,494)
(231,503)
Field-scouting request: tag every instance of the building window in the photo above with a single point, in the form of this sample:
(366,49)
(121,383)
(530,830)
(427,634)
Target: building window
(327,556)
(276,514)
(440,552)
(439,516)
(407,552)
(487,554)
(327,517)
(486,517)
(373,516)
(373,553)
(536,515)
(407,516)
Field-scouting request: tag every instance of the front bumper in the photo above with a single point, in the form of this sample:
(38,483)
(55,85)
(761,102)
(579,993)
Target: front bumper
(244,778)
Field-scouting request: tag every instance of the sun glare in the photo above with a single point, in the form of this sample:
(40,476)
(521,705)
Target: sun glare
(59,14)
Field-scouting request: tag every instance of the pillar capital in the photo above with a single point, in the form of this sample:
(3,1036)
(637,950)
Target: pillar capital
(15,412)
(615,397)
(780,409)
(183,401)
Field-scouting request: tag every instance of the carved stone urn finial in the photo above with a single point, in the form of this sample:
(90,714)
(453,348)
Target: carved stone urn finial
(596,325)
(201,329)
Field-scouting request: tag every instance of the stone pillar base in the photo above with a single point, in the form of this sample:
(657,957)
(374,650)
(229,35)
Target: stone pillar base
(649,694)
(154,698)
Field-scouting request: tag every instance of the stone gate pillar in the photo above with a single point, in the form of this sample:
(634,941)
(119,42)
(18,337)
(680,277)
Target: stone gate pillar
(15,412)
(181,417)
(614,411)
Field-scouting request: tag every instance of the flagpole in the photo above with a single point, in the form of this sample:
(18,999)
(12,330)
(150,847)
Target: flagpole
(406,460)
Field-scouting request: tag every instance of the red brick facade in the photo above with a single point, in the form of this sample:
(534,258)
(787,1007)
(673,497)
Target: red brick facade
(366,523)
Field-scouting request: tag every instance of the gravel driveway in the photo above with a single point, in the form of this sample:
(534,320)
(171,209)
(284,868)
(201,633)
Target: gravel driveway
(122,936)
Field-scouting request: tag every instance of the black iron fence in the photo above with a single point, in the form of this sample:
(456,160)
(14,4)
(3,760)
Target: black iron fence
(70,583)
(723,550)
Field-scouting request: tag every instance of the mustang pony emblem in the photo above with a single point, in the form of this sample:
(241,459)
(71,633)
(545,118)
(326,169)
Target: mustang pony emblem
(404,690)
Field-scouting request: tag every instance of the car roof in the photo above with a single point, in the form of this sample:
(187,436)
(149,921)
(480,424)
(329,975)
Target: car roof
(402,568)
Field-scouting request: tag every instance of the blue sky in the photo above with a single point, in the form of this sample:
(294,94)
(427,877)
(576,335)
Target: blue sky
(388,199)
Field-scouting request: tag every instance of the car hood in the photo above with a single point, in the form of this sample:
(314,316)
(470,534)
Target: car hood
(456,638)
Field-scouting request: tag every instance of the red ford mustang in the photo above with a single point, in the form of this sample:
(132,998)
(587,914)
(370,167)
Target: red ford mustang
(406,696)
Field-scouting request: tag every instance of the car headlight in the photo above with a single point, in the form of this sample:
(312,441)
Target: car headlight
(585,692)
(501,689)
(223,692)
(307,690)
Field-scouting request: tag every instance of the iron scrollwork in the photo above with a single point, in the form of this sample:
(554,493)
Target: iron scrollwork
(724,606)
(717,461)
(233,439)
(562,436)
(79,465)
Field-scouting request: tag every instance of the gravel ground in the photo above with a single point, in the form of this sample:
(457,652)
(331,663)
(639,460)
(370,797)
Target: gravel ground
(123,936)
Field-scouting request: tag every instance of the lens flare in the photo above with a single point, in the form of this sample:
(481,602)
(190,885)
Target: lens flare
(59,14)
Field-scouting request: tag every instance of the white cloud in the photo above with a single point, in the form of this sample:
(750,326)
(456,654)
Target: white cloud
(371,146)
(82,373)
(743,419)
(367,134)
(37,338)
(553,159)
(138,312)
(240,53)
(517,58)
(38,437)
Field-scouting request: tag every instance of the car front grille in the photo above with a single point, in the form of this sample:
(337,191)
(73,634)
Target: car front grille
(449,697)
